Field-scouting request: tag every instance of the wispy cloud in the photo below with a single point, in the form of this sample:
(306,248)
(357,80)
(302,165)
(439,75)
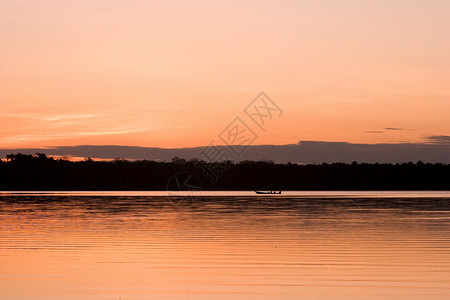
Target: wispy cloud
(386,128)
(393,128)
(70,117)
(23,138)
(37,127)
(438,139)
(51,136)
(53,117)
(374,131)
(109,132)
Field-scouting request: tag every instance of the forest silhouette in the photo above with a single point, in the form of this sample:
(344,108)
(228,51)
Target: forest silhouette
(20,172)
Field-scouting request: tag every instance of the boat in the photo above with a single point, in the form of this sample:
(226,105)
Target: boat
(268,192)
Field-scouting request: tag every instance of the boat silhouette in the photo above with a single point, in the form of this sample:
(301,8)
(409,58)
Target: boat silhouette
(268,192)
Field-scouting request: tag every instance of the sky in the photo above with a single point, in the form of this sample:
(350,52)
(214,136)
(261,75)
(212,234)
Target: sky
(177,73)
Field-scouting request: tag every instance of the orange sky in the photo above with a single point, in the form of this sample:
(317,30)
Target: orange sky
(176,73)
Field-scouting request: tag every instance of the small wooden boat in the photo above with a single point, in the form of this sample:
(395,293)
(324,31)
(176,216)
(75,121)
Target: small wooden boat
(268,192)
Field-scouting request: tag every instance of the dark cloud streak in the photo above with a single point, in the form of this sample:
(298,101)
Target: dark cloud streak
(393,128)
(438,139)
(438,150)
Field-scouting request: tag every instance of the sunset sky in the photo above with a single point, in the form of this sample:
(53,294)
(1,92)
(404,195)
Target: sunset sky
(176,73)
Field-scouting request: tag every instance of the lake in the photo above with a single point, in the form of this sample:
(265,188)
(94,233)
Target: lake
(224,245)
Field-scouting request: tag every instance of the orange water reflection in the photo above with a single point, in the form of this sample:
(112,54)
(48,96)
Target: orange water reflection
(98,247)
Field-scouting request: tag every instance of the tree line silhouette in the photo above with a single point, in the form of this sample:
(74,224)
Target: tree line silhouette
(20,172)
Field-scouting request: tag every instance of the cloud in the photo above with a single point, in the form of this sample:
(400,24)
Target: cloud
(438,139)
(53,117)
(393,128)
(374,131)
(386,128)
(303,152)
(52,136)
(69,117)
(109,132)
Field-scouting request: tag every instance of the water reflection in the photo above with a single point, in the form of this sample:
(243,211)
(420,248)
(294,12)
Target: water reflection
(289,247)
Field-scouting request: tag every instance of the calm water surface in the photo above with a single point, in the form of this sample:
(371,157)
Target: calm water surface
(237,246)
